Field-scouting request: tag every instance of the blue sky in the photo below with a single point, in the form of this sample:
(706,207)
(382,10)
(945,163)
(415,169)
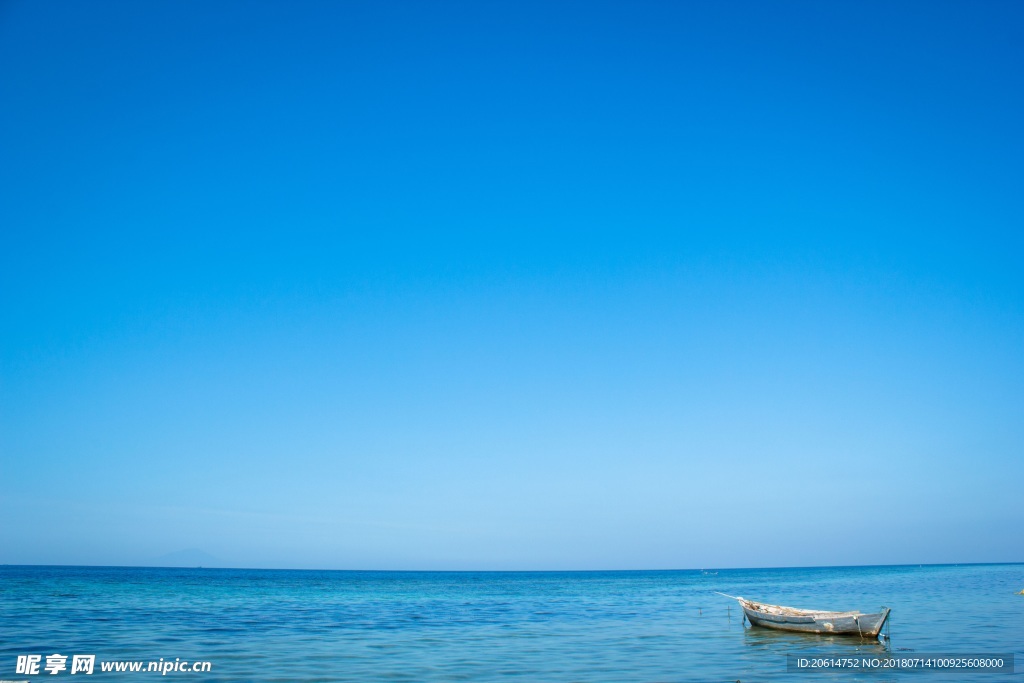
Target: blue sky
(511,285)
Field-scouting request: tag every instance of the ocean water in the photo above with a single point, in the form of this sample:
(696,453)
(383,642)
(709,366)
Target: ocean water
(264,625)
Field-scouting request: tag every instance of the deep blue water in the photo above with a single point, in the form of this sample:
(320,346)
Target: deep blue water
(279,625)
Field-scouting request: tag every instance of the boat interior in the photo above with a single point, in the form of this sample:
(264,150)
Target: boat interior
(793,611)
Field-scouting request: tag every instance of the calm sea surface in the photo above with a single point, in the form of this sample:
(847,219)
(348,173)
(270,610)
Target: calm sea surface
(256,625)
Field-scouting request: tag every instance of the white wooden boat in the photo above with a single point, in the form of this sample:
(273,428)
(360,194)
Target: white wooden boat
(812,620)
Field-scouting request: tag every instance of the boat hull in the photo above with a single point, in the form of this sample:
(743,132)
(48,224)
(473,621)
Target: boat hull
(863,625)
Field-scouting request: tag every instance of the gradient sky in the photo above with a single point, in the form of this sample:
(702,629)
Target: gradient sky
(510,285)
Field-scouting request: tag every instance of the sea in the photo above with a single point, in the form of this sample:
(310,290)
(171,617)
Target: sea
(285,625)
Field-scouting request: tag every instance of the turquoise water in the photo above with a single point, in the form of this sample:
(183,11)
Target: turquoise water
(263,625)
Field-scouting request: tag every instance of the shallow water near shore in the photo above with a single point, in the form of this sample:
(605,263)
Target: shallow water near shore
(283,625)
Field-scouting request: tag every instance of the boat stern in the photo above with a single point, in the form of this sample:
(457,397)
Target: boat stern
(878,622)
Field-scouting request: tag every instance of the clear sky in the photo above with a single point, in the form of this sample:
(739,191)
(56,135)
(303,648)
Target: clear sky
(510,285)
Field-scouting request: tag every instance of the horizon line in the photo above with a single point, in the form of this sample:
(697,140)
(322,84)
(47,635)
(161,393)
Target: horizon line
(516,571)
